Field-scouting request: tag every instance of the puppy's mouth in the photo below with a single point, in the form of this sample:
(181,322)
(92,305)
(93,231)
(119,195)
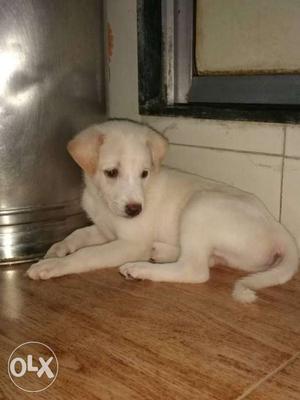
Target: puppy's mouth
(130,216)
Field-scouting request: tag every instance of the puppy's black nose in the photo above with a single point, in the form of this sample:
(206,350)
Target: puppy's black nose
(133,209)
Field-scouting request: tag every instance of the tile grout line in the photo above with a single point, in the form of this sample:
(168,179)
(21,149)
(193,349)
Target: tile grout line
(282,173)
(259,153)
(225,149)
(267,377)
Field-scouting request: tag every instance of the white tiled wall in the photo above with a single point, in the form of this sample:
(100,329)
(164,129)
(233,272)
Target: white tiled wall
(253,137)
(247,171)
(292,148)
(291,196)
(262,158)
(290,213)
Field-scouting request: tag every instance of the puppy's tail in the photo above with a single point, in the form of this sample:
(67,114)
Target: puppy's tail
(281,272)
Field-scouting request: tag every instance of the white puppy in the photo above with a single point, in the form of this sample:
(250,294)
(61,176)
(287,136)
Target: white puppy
(187,224)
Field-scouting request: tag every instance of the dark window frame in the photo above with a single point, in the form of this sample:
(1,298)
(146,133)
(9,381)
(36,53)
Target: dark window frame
(154,98)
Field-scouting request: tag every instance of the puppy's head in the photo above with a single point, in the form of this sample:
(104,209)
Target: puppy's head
(120,158)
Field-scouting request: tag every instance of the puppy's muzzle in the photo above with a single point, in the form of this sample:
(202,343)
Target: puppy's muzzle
(133,209)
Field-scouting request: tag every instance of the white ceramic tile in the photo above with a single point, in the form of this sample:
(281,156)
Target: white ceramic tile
(235,135)
(291,197)
(292,140)
(254,173)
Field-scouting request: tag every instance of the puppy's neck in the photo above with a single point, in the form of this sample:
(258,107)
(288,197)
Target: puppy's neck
(91,188)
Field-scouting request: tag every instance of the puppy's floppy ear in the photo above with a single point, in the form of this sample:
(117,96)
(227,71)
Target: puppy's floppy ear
(158,145)
(85,147)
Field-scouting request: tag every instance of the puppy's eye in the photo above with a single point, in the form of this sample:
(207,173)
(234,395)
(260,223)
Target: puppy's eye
(144,174)
(111,173)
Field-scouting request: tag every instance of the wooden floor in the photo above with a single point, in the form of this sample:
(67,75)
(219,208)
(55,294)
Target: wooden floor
(118,339)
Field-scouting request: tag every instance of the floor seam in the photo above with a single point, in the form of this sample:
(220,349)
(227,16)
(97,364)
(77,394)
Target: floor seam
(261,381)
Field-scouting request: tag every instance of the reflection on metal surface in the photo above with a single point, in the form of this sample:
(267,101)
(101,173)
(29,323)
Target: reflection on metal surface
(7,246)
(11,60)
(10,293)
(51,86)
(9,274)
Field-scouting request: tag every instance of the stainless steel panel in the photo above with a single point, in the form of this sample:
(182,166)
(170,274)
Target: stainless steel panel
(51,86)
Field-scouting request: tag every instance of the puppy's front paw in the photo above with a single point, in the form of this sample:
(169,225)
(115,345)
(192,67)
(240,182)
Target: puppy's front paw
(135,270)
(45,269)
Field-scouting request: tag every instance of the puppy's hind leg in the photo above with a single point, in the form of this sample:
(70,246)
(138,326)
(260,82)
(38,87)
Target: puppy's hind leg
(164,252)
(181,271)
(191,267)
(281,272)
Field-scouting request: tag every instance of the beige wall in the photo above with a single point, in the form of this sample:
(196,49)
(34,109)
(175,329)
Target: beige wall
(247,35)
(122,73)
(258,157)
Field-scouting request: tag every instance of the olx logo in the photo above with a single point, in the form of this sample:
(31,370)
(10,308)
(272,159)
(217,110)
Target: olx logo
(33,366)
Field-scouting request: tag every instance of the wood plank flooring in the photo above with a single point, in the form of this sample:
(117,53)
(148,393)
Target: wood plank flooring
(118,339)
